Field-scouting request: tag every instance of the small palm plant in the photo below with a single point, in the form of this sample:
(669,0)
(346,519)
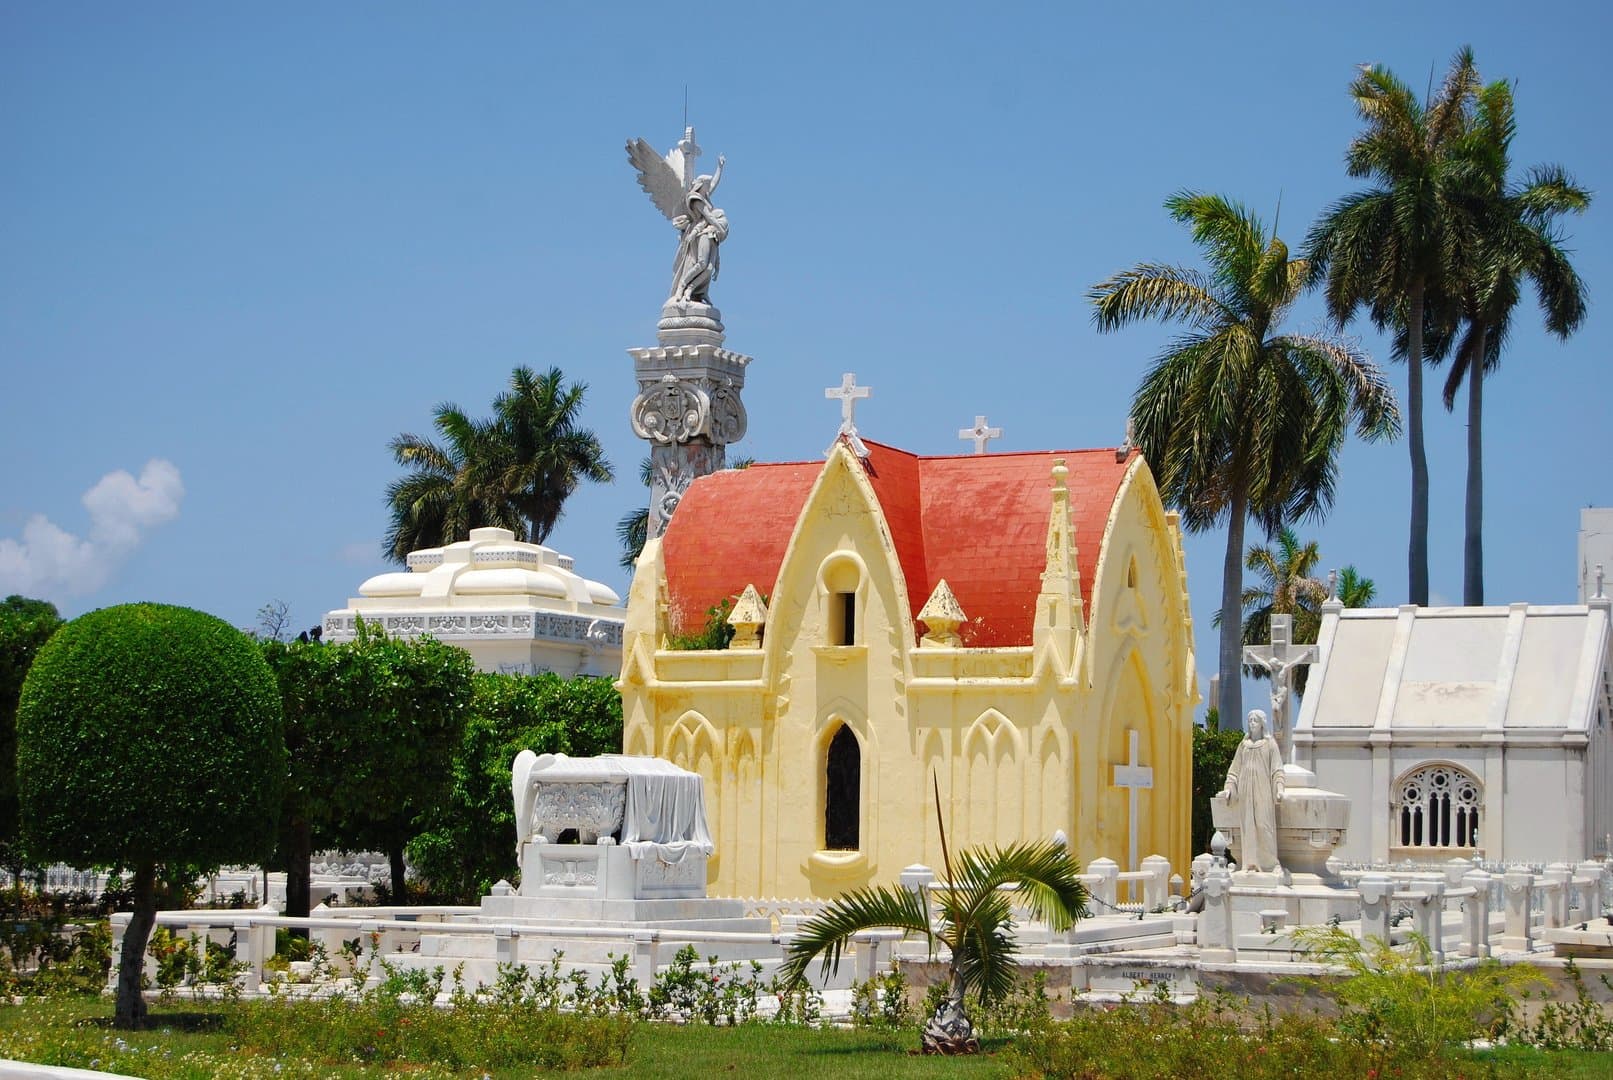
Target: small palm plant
(973,921)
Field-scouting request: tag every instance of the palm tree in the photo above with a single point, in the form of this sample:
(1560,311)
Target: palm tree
(1236,419)
(550,452)
(1285,586)
(633,527)
(1391,247)
(450,488)
(514,471)
(1511,229)
(974,924)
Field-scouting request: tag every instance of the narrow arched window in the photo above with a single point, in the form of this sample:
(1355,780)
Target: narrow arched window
(1438,807)
(842,792)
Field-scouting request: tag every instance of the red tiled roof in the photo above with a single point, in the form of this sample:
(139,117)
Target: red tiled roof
(977,520)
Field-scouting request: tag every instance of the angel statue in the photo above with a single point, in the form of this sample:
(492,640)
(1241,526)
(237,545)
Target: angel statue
(687,204)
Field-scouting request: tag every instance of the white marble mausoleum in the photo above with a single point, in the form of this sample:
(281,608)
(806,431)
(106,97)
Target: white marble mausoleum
(516,607)
(1462,732)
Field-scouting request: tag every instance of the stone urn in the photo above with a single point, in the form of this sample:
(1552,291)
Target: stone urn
(1311,824)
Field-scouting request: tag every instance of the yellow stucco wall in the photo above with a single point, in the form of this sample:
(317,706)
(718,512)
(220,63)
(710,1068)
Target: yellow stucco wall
(1022,741)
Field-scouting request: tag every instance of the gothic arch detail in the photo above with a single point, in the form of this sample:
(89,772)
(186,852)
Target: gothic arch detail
(1436,806)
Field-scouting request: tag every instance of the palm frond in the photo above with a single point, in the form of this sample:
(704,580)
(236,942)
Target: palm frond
(827,933)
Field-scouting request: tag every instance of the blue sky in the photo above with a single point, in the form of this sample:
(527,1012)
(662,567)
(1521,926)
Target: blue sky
(255,244)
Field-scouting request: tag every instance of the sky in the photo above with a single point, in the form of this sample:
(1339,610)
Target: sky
(241,248)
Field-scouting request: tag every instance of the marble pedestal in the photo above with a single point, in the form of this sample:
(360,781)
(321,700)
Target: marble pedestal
(688,406)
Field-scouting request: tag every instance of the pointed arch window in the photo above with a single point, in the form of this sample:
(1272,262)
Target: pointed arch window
(1437,806)
(842,810)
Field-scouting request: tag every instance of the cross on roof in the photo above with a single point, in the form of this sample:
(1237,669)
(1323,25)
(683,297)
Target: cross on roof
(849,393)
(1134,776)
(981,434)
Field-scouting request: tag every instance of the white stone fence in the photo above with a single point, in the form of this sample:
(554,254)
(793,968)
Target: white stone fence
(1102,880)
(252,935)
(1519,901)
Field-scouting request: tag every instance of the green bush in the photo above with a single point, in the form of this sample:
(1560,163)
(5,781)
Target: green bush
(1213,751)
(149,738)
(149,733)
(468,842)
(25,625)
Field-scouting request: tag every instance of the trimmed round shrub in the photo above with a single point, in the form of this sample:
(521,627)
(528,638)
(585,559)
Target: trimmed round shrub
(149,735)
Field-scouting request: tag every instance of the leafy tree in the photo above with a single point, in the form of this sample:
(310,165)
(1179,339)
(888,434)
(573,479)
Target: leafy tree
(372,728)
(149,740)
(1394,246)
(400,760)
(1510,235)
(25,625)
(467,842)
(514,470)
(1237,419)
(1213,751)
(975,924)
(324,693)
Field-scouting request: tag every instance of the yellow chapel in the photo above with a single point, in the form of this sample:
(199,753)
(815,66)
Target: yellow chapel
(1013,625)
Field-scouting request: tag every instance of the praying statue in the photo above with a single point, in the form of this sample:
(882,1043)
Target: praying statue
(1254,790)
(686,202)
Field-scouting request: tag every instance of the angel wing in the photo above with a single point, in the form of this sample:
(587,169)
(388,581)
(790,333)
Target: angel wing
(656,177)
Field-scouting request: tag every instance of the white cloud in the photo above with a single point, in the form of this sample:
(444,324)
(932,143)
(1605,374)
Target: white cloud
(49,562)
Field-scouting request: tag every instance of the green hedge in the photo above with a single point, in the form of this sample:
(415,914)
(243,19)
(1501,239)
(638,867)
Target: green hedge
(469,842)
(149,734)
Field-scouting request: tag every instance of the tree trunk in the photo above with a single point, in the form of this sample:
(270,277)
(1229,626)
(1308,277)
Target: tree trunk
(131,1007)
(400,884)
(948,1030)
(1417,550)
(299,871)
(1231,704)
(1473,542)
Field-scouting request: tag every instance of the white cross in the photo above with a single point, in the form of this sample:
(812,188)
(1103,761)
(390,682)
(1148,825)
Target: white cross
(981,434)
(1134,776)
(1280,658)
(849,393)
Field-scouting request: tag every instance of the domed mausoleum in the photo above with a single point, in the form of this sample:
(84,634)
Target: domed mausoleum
(516,607)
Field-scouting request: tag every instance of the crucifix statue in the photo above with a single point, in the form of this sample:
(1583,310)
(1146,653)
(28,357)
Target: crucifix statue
(1134,776)
(849,394)
(980,433)
(1279,659)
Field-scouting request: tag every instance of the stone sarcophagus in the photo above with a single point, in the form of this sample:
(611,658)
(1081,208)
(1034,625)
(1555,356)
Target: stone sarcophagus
(640,827)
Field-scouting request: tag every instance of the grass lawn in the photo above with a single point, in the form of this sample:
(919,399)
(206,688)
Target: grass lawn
(191,1041)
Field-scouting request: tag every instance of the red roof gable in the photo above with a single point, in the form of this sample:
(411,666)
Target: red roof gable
(977,520)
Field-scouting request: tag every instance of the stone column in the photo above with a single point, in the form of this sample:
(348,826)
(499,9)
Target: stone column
(1560,877)
(1519,887)
(646,954)
(1377,897)
(1427,911)
(1107,891)
(1477,910)
(1589,875)
(917,878)
(1215,939)
(688,406)
(1156,887)
(120,927)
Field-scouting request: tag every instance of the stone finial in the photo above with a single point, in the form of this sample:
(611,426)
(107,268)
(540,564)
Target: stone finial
(1123,451)
(747,619)
(943,615)
(1599,594)
(1332,586)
